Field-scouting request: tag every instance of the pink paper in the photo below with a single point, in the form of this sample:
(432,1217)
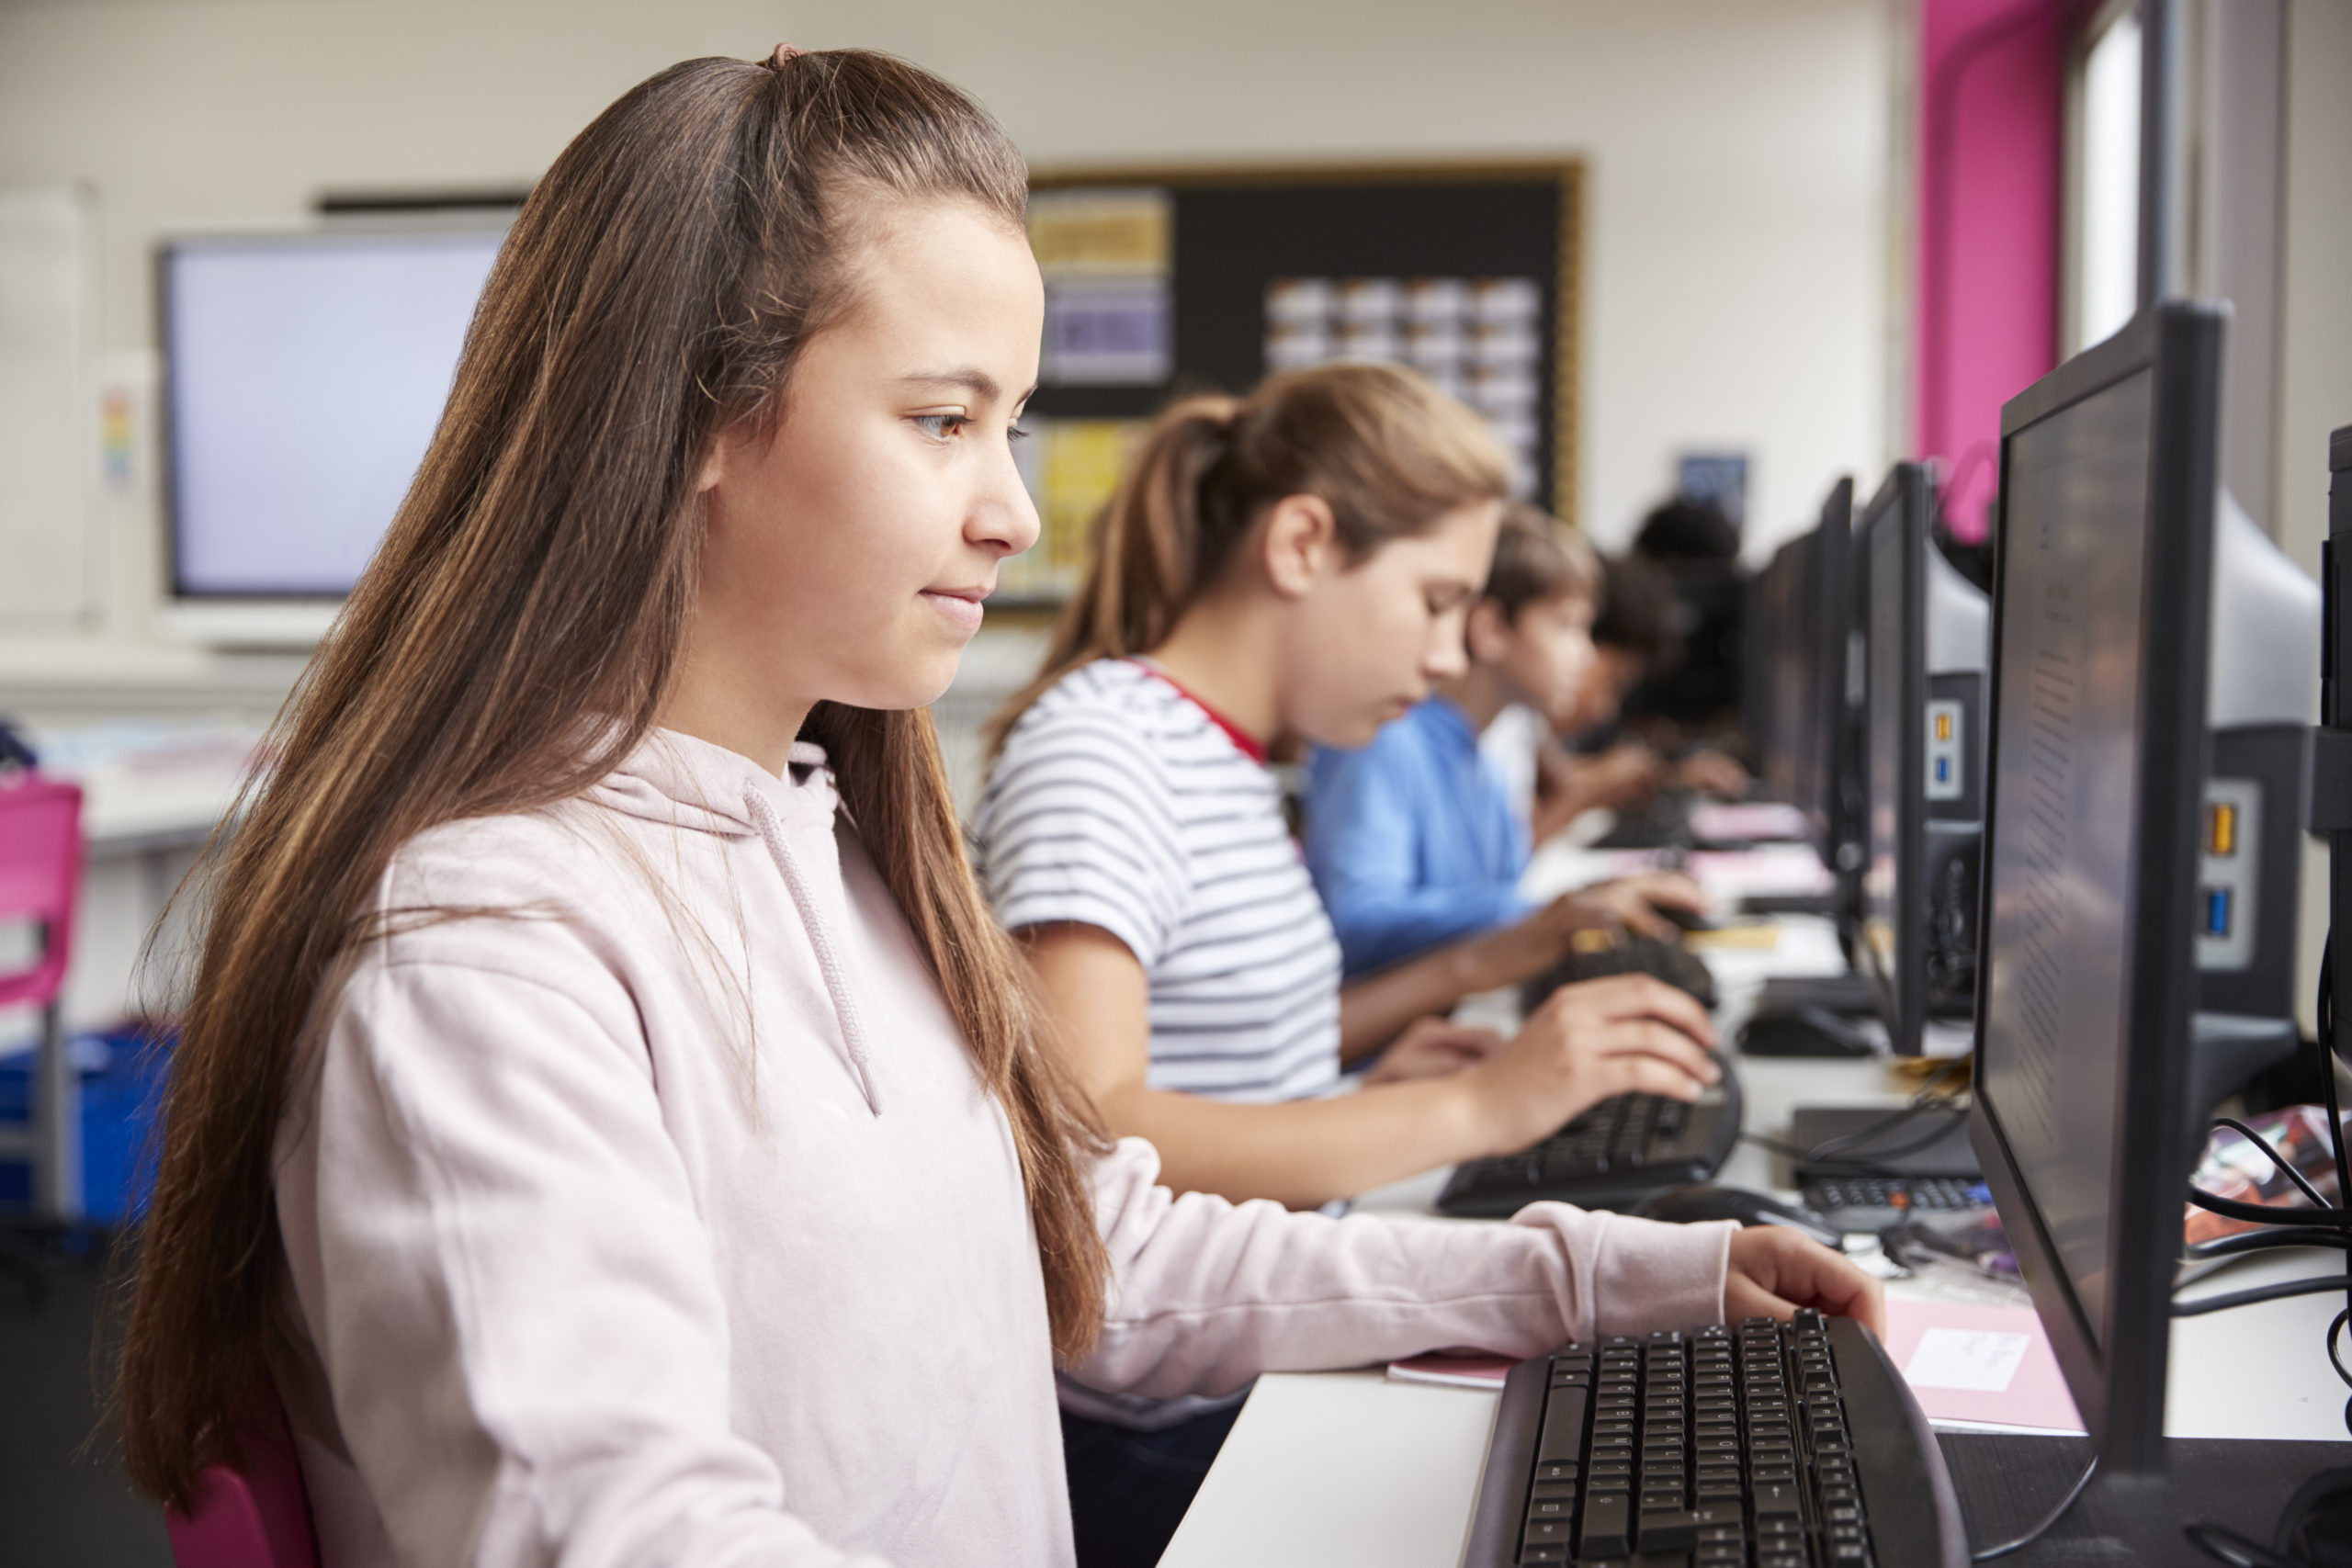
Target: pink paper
(2035,1392)
(1750,819)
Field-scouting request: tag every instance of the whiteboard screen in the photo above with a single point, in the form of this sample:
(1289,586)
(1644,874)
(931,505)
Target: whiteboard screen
(304,377)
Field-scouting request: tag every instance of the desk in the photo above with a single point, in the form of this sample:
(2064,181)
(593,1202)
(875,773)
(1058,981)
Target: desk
(1347,1467)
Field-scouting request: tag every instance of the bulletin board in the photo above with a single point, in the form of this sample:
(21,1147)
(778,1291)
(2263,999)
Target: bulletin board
(1165,281)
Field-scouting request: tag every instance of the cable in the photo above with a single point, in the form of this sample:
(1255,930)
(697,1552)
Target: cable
(2278,1292)
(2326,1042)
(2038,1531)
(1873,1161)
(2268,1213)
(2285,1165)
(2260,1241)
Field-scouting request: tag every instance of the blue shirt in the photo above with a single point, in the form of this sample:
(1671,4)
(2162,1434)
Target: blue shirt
(1411,841)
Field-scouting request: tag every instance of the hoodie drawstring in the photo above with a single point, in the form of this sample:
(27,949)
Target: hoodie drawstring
(829,961)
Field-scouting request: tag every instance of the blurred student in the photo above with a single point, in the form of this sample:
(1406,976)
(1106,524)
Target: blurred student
(606,1116)
(1601,758)
(1695,549)
(1412,840)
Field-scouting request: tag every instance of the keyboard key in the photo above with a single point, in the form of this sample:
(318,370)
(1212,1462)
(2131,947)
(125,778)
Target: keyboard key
(1781,1500)
(1548,1532)
(1607,1520)
(1530,1556)
(1562,1440)
(1672,1530)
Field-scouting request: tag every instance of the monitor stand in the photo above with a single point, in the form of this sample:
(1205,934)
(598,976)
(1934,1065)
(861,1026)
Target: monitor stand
(1808,1031)
(2007,1482)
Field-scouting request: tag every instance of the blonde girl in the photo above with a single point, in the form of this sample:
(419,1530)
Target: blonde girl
(1297,564)
(606,1118)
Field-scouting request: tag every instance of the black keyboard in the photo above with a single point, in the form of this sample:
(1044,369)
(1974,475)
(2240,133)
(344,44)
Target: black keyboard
(1619,1154)
(1880,1202)
(1772,1446)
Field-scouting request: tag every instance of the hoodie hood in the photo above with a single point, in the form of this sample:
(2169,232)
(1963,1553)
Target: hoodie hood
(681,782)
(694,786)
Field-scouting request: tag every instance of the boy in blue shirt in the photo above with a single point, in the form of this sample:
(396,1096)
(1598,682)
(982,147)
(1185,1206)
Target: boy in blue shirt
(1412,840)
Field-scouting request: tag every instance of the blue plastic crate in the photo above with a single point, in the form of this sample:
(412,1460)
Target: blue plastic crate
(119,1101)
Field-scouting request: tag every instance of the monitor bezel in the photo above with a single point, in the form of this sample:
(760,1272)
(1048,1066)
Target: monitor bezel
(1899,511)
(2119,1391)
(261,616)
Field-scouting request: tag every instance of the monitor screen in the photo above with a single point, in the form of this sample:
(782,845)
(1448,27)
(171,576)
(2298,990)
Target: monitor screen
(304,376)
(2061,856)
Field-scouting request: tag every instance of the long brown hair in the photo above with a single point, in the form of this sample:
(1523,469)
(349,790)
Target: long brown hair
(1387,451)
(656,289)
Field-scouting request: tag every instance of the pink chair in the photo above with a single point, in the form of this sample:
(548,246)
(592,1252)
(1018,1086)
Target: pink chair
(257,1515)
(40,870)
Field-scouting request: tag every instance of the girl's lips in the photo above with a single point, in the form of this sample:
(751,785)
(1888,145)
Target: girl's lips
(961,611)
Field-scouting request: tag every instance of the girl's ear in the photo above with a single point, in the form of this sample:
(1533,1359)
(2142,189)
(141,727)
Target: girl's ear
(1297,544)
(1486,631)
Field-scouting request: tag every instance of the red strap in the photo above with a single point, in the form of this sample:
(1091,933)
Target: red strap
(1243,742)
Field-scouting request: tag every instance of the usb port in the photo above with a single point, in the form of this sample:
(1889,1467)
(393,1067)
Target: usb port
(1943,726)
(1943,770)
(2221,829)
(2217,911)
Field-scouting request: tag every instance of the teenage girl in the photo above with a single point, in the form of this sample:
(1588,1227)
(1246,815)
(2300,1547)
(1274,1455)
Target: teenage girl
(1296,566)
(605,1116)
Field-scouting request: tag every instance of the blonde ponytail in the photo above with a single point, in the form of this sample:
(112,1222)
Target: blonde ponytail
(1388,452)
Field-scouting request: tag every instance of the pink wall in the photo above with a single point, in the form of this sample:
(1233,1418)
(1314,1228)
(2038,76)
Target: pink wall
(1991,140)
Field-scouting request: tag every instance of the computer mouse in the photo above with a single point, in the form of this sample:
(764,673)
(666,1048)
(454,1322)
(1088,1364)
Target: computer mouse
(1670,962)
(1707,1200)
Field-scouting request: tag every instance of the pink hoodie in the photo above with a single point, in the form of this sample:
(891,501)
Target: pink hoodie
(626,1230)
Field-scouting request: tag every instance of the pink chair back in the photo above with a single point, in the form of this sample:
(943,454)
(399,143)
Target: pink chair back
(257,1516)
(41,867)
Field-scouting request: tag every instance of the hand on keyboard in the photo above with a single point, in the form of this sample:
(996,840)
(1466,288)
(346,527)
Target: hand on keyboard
(1775,1272)
(1633,902)
(1433,1048)
(1629,1033)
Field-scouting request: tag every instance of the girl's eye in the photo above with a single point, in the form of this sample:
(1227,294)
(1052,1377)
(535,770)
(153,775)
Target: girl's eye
(1015,435)
(940,426)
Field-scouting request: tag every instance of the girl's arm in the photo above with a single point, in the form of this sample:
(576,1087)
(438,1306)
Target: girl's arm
(1374,1008)
(1588,1042)
(1207,1294)
(506,1384)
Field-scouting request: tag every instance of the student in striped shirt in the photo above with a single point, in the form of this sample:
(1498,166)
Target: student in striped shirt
(1293,566)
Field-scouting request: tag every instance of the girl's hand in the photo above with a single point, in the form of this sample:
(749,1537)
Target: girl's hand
(1433,1048)
(1712,773)
(1524,950)
(1774,1270)
(1626,774)
(1634,901)
(1626,1034)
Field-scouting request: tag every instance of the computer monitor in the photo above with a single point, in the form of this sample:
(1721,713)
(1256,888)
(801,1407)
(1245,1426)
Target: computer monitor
(1801,619)
(303,376)
(2095,1070)
(1925,631)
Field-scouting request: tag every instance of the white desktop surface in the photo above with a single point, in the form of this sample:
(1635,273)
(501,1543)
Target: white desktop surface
(1328,1467)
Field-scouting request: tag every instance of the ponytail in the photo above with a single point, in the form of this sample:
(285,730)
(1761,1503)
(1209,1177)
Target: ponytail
(1386,451)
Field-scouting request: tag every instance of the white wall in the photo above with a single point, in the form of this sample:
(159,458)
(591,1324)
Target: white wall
(1736,272)
(2315,332)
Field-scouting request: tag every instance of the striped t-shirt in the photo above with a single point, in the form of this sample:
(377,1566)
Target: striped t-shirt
(1119,802)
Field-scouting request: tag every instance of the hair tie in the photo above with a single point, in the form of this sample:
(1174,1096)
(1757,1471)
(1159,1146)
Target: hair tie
(784,54)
